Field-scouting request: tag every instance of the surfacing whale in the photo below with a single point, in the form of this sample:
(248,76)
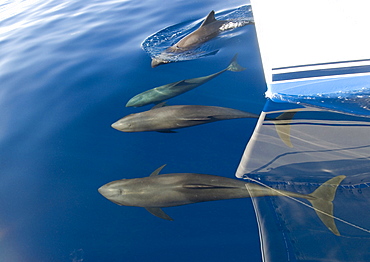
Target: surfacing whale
(168,190)
(209,29)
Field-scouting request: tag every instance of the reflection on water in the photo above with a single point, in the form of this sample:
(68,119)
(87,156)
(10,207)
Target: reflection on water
(322,144)
(354,102)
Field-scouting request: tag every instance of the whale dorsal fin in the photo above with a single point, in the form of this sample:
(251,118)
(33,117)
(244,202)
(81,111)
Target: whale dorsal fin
(209,19)
(156,211)
(162,104)
(174,84)
(157,171)
(282,125)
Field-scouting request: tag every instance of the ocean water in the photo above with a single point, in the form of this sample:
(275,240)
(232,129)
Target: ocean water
(67,69)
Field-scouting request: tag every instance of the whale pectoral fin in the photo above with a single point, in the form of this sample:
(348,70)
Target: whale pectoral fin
(158,212)
(178,83)
(209,19)
(204,186)
(174,84)
(167,131)
(201,118)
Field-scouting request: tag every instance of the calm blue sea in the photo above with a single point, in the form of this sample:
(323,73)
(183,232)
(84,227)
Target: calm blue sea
(67,69)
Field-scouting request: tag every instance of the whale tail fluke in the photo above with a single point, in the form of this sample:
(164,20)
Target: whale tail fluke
(322,199)
(234,66)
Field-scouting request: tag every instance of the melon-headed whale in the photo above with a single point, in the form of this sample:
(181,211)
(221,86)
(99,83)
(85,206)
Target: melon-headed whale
(161,93)
(209,29)
(166,118)
(168,190)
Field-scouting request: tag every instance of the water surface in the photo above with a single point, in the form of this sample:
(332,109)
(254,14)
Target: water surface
(67,70)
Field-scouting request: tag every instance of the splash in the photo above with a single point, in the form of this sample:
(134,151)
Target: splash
(232,25)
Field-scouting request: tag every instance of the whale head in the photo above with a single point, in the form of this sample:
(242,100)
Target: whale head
(126,124)
(156,61)
(114,191)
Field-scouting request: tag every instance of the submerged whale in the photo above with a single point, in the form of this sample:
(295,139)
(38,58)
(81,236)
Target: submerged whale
(166,118)
(209,29)
(168,91)
(167,190)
